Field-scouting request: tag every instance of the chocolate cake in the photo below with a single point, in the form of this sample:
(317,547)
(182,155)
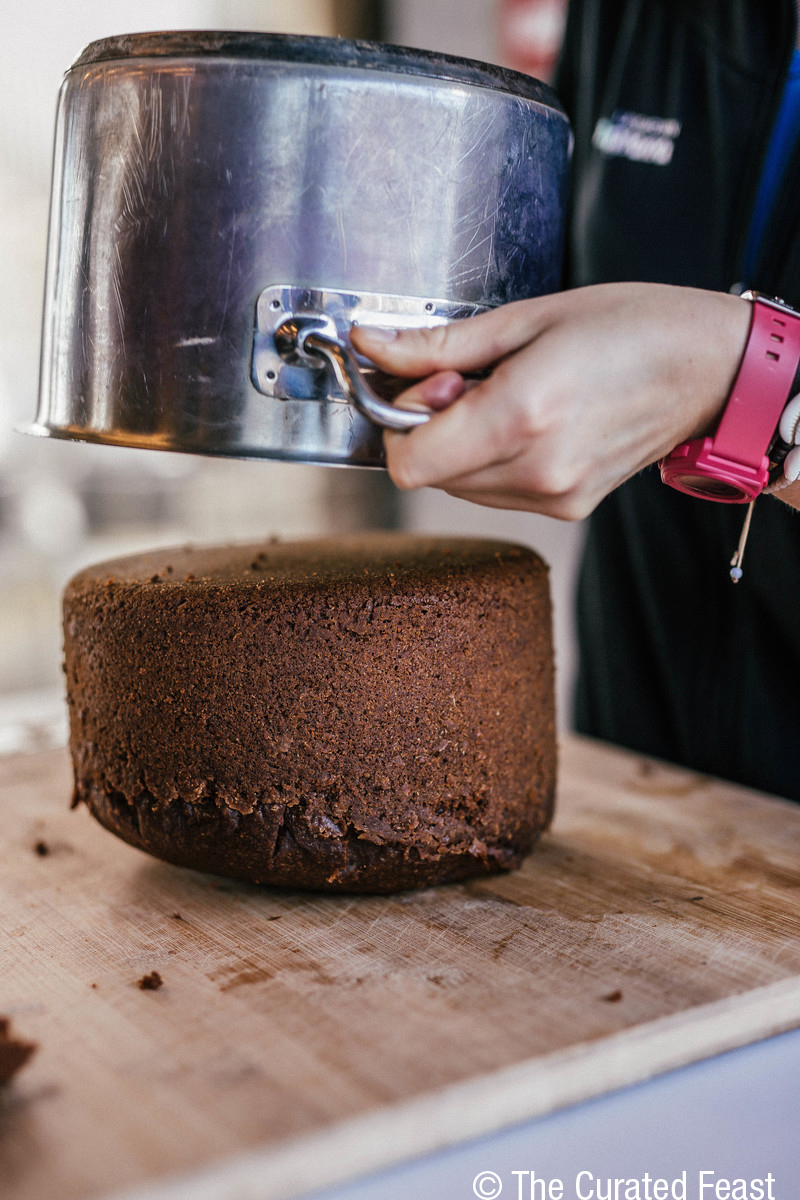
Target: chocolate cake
(362,714)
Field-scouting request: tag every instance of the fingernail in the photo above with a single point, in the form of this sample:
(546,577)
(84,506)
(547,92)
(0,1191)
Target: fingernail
(376,333)
(440,390)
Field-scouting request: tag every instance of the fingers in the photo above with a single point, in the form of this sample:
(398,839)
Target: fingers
(497,445)
(466,345)
(524,483)
(545,505)
(455,442)
(436,392)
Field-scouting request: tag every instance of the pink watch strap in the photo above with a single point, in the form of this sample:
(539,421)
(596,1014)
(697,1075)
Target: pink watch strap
(762,387)
(733,466)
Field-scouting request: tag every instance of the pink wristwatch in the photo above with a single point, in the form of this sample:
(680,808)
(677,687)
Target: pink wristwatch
(733,466)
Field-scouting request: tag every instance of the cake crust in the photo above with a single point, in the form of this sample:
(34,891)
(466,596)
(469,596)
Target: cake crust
(362,714)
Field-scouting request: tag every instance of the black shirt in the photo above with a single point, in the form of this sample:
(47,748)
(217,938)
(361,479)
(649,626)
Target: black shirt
(672,103)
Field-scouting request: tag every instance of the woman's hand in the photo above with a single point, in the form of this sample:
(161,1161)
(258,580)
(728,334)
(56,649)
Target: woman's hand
(587,387)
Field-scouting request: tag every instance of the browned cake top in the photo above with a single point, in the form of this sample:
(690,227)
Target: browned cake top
(363,558)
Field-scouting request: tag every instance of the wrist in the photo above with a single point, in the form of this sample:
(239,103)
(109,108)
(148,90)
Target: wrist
(734,465)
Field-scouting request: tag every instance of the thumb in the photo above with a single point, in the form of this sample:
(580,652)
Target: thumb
(470,344)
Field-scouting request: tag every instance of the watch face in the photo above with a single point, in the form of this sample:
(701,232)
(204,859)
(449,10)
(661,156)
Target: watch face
(698,469)
(709,488)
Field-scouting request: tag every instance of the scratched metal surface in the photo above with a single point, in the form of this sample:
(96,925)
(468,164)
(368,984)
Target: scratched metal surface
(658,923)
(183,186)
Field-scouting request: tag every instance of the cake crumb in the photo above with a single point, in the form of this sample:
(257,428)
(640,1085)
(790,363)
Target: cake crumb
(150,982)
(13,1052)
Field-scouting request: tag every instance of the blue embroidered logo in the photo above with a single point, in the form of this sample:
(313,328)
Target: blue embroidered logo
(639,138)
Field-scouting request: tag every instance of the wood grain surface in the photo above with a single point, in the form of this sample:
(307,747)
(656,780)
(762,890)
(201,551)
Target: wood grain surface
(299,1039)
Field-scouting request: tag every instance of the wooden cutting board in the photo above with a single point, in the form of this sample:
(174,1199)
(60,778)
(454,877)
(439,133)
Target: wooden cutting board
(317,1038)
